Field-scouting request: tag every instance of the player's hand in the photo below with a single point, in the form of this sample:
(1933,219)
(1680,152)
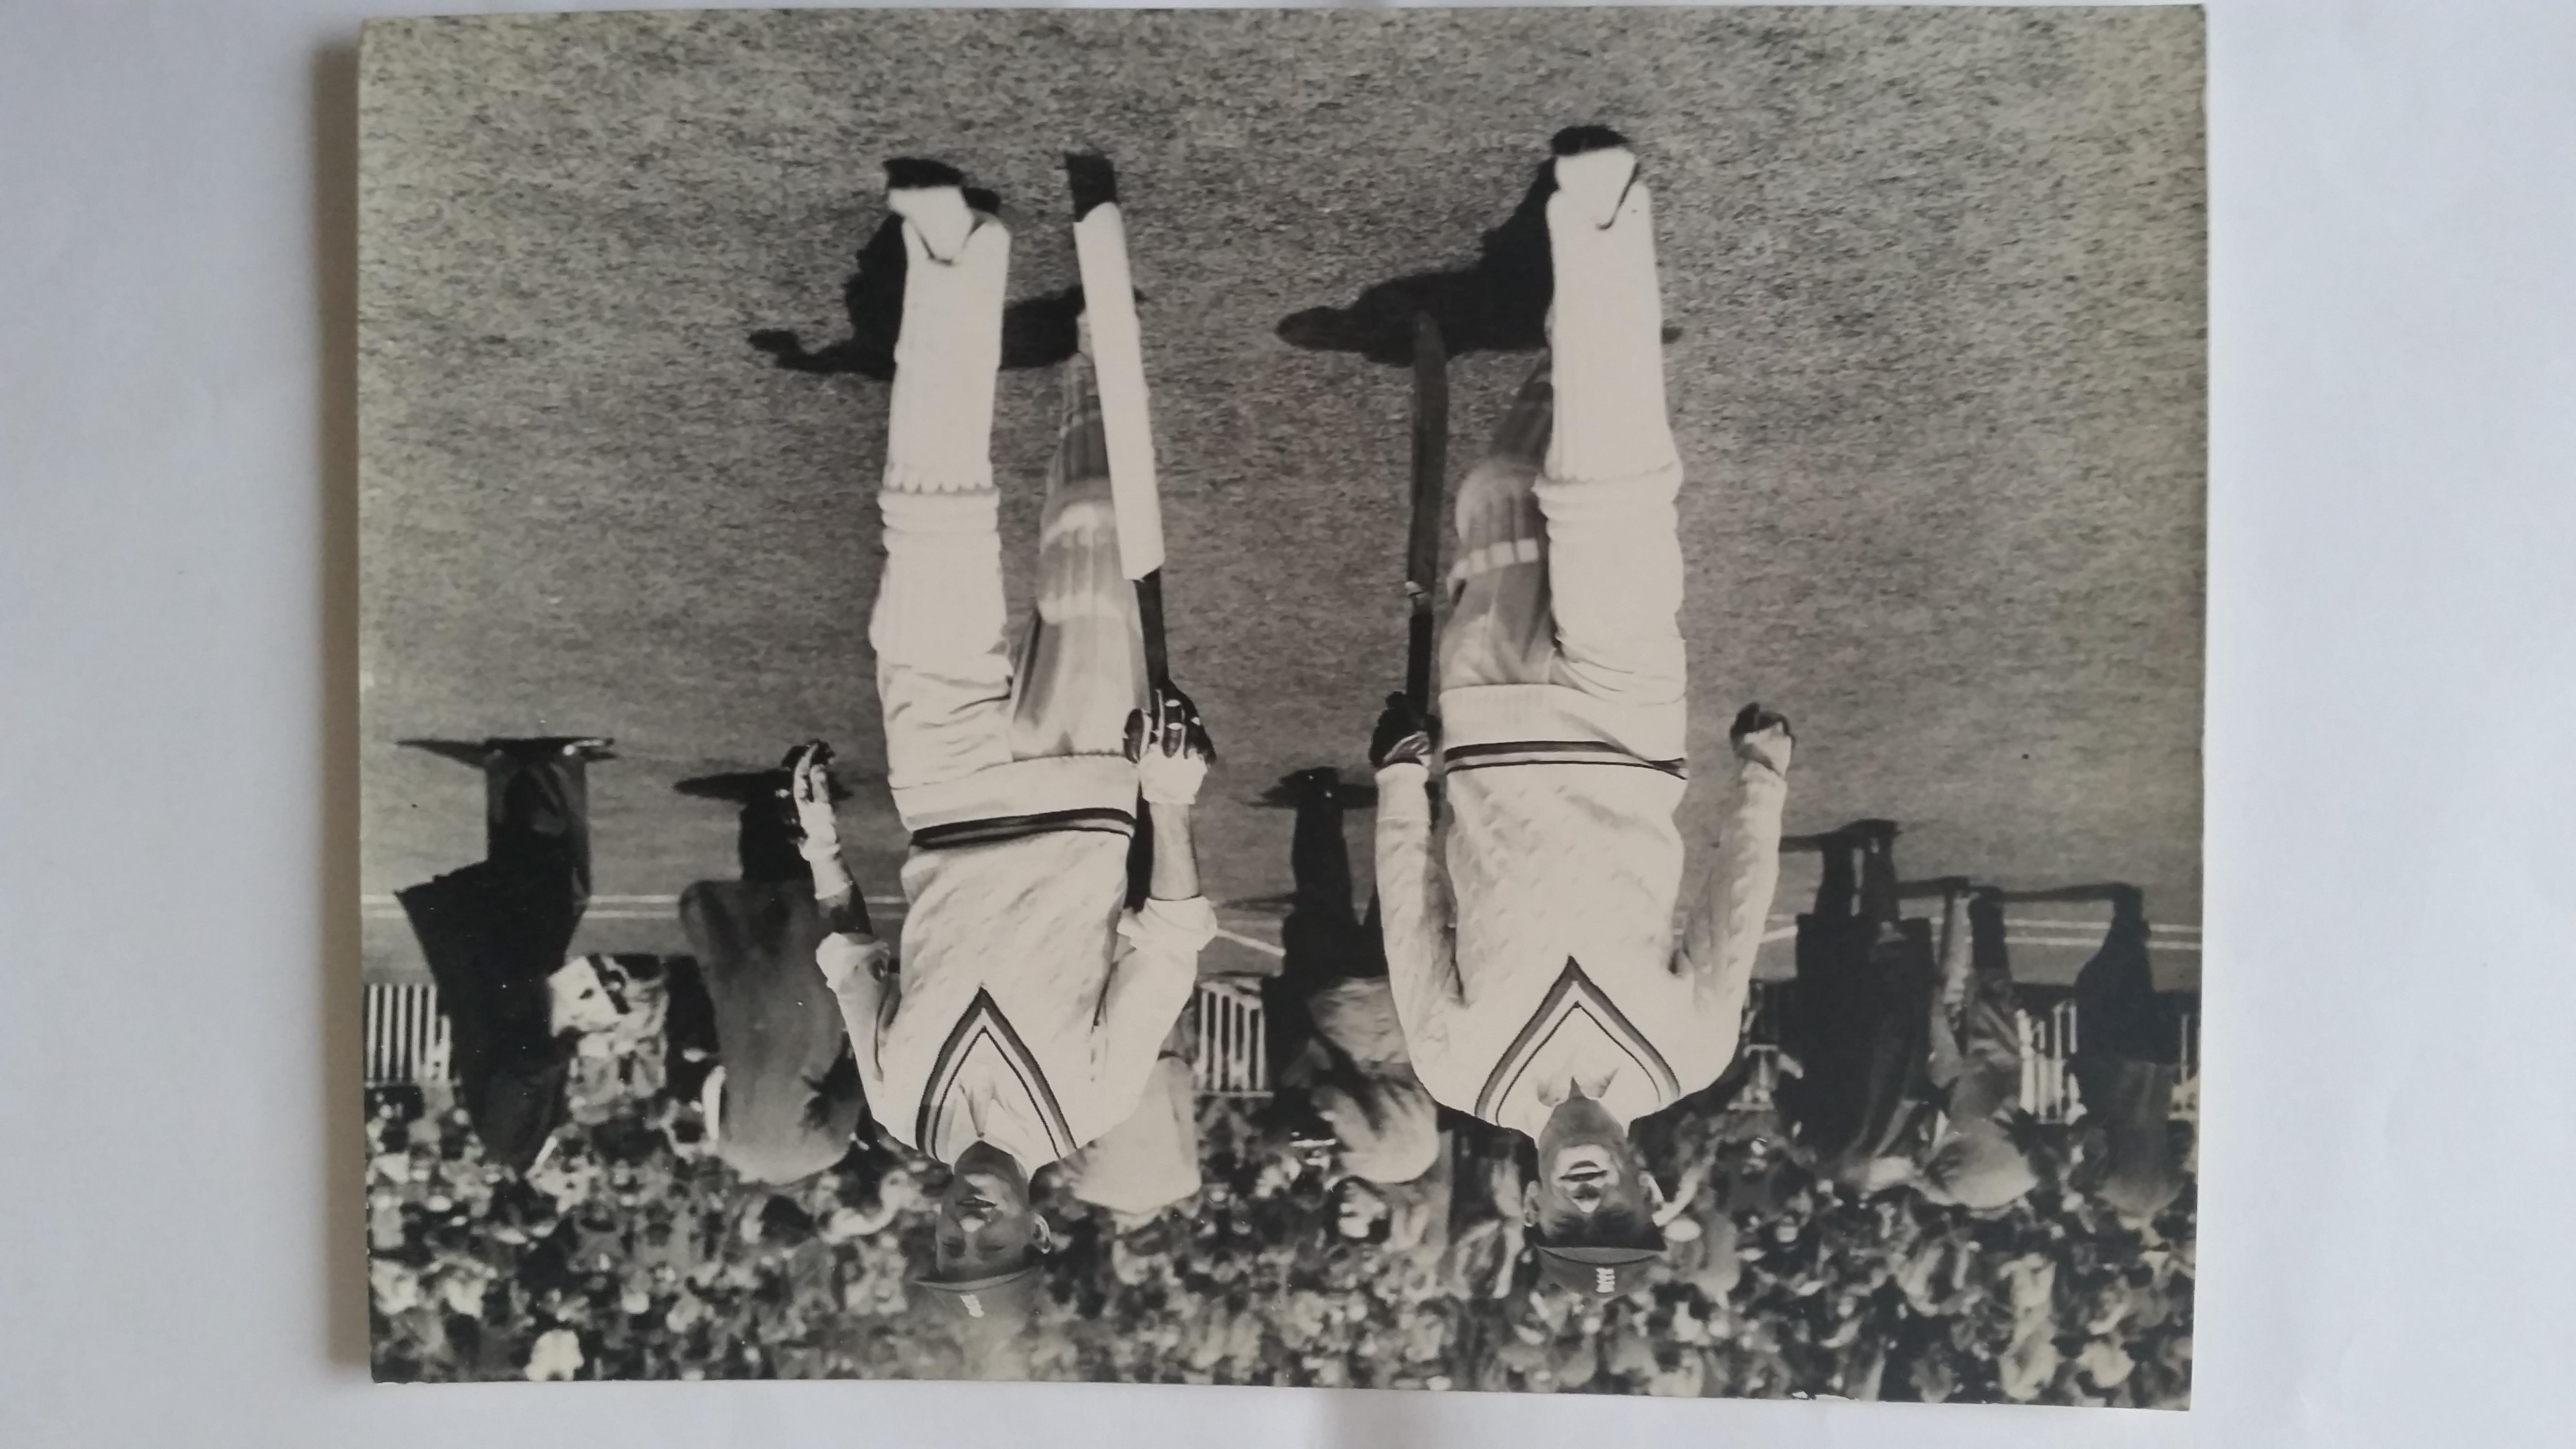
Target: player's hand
(1170,745)
(873,957)
(809,792)
(1763,738)
(1404,736)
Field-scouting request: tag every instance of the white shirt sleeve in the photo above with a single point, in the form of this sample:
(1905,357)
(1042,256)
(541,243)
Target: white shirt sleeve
(1150,1160)
(1152,970)
(861,972)
(1727,922)
(1417,922)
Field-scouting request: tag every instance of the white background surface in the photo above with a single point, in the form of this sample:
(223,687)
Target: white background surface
(2391,1041)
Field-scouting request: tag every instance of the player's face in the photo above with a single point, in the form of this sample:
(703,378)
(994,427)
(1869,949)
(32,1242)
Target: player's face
(985,1223)
(1585,1168)
(976,1245)
(1582,1179)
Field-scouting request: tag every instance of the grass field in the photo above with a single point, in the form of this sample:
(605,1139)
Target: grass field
(1938,385)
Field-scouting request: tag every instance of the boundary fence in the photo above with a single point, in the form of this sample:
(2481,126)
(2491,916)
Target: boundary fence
(408,1043)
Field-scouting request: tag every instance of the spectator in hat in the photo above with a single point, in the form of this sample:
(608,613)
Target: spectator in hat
(496,934)
(1907,1060)
(1985,1152)
(2128,1049)
(1334,1034)
(783,1101)
(1856,1023)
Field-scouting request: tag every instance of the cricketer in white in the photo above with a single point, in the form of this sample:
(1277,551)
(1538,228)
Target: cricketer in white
(1534,959)
(1024,1018)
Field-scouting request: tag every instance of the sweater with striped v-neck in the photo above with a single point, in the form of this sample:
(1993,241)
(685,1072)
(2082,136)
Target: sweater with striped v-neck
(1028,1006)
(1531,938)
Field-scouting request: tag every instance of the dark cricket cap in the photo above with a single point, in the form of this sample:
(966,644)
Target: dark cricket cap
(1005,1298)
(1596,1272)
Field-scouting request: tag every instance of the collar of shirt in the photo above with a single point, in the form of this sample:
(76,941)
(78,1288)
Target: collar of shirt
(987,1086)
(1577,1041)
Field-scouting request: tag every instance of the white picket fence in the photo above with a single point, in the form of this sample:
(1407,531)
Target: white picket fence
(2047,1052)
(1229,1048)
(407,1036)
(407,1043)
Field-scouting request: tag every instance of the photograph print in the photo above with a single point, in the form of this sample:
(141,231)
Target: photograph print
(1497,700)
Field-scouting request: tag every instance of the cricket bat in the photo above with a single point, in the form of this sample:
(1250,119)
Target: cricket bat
(1118,369)
(1430,476)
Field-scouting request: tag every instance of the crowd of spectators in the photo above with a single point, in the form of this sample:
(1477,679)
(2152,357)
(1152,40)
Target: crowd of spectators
(630,1251)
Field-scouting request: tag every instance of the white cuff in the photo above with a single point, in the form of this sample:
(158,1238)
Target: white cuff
(1404,790)
(914,506)
(1184,926)
(844,952)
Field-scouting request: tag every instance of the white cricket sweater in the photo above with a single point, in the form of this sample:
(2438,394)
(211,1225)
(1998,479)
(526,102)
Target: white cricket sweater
(1536,954)
(1029,1006)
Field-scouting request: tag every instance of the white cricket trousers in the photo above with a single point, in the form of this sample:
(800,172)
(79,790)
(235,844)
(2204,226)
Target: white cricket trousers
(959,701)
(1569,569)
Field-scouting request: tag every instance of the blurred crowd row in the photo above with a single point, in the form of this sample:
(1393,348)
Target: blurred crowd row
(631,1251)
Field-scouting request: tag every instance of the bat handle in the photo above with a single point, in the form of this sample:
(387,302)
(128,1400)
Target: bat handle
(1158,663)
(1149,616)
(1430,480)
(1417,658)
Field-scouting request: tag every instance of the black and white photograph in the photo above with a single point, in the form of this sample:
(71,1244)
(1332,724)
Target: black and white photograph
(1474,700)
